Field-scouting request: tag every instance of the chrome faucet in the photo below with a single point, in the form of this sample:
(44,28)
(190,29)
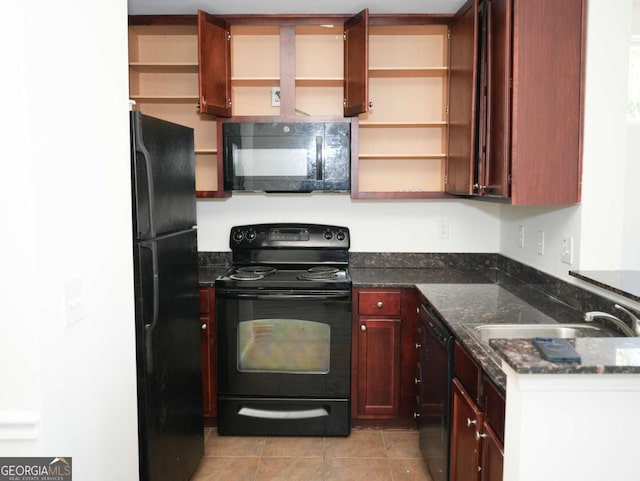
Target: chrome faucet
(632,331)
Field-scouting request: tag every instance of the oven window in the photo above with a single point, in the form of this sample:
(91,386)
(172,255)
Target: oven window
(283,345)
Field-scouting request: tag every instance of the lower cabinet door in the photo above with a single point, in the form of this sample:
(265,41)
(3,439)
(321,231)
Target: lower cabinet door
(466,419)
(492,456)
(208,351)
(379,368)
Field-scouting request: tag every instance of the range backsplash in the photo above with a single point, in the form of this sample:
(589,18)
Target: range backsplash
(570,294)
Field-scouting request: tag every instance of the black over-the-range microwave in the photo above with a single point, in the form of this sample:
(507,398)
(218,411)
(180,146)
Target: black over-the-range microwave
(281,156)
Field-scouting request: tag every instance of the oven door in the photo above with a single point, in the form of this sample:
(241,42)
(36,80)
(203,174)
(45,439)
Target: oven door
(284,344)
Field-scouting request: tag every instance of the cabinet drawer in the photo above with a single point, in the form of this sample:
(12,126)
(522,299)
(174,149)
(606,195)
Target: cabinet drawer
(467,371)
(379,303)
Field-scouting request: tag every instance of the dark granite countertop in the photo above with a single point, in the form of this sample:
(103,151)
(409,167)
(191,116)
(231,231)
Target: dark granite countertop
(597,356)
(475,292)
(409,277)
(207,275)
(512,302)
(509,302)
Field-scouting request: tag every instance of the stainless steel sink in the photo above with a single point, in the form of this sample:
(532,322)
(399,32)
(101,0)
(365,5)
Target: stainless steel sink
(484,332)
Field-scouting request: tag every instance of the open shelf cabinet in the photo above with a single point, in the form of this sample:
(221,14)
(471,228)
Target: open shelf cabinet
(163,82)
(403,136)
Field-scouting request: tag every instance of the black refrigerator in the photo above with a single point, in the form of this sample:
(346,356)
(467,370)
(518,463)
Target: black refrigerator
(167,323)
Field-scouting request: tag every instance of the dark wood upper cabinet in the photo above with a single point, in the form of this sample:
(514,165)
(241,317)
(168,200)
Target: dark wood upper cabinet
(356,64)
(462,85)
(516,100)
(214,63)
(547,100)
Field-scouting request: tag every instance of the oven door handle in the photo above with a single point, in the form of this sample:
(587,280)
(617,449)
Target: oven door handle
(270,414)
(274,297)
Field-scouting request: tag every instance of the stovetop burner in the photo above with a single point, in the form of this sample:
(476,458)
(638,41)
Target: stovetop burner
(252,273)
(319,273)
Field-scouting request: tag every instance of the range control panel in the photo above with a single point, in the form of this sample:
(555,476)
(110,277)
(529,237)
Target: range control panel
(303,236)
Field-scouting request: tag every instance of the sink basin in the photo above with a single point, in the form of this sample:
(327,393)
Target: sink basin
(484,332)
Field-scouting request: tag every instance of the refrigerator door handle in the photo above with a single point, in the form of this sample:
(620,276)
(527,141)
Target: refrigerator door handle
(149,327)
(145,156)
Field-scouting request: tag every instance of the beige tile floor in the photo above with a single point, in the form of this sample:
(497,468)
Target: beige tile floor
(366,455)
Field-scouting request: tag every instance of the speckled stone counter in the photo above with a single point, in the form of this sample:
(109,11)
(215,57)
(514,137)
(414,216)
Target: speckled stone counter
(207,275)
(467,289)
(597,356)
(506,302)
(409,277)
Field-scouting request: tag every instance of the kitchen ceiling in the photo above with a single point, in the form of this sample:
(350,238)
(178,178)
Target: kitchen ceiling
(165,7)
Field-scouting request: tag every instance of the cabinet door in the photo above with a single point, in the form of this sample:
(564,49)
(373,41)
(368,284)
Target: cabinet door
(378,368)
(462,95)
(214,60)
(548,88)
(498,98)
(465,448)
(356,64)
(207,347)
(492,456)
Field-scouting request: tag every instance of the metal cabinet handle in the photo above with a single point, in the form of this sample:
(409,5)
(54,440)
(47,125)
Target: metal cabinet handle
(380,304)
(480,436)
(363,328)
(416,415)
(471,422)
(204,326)
(416,380)
(418,345)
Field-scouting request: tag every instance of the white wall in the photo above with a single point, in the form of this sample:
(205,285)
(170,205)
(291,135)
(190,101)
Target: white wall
(66,217)
(606,226)
(375,226)
(605,146)
(555,223)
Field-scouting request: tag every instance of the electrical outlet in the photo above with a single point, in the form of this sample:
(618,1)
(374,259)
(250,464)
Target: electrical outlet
(566,251)
(540,243)
(521,236)
(275,96)
(443,229)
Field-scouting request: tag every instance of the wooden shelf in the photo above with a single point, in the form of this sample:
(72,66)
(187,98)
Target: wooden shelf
(369,124)
(177,99)
(255,81)
(319,82)
(403,156)
(162,67)
(408,72)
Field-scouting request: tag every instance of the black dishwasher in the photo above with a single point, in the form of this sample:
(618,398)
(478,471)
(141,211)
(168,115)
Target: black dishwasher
(434,398)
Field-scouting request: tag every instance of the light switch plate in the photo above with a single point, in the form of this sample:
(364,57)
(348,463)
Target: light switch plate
(540,243)
(566,251)
(73,301)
